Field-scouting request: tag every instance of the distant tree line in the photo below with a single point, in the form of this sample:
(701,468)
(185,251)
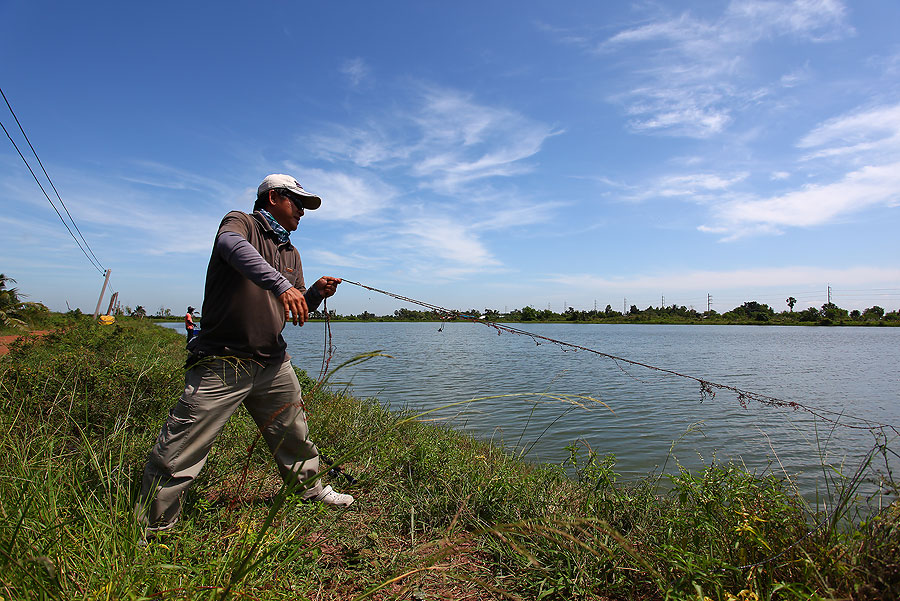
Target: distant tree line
(751,312)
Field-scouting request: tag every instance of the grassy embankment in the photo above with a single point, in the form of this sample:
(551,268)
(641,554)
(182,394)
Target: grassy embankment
(438,515)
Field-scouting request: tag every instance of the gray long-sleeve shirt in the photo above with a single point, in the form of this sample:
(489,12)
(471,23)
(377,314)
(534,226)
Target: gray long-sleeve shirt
(238,253)
(248,269)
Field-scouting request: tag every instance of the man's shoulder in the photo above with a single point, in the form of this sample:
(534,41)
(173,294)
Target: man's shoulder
(237,215)
(238,221)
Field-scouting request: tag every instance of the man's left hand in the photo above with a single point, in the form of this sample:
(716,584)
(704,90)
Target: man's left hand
(326,285)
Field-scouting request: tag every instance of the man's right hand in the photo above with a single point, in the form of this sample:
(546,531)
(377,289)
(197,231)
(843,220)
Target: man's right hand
(294,305)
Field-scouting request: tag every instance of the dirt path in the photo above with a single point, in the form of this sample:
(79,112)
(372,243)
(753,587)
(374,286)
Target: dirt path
(5,341)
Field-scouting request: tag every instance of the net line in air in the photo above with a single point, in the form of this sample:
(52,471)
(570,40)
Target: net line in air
(708,388)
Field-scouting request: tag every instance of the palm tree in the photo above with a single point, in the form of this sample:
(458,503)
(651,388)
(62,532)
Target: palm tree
(791,301)
(10,305)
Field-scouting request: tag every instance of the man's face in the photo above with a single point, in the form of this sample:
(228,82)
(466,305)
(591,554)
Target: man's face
(284,209)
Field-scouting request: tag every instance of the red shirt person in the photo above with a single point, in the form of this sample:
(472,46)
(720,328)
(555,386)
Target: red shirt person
(189,323)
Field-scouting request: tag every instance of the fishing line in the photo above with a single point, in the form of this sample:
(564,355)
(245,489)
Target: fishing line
(708,388)
(328,353)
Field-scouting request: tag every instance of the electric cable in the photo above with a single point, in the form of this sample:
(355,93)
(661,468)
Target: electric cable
(24,160)
(93,257)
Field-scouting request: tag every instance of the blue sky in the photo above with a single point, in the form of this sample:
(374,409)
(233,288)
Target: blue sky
(472,155)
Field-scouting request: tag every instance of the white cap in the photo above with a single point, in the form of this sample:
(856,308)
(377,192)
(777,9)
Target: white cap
(286,182)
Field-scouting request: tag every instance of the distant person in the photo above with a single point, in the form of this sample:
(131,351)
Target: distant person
(254,284)
(189,323)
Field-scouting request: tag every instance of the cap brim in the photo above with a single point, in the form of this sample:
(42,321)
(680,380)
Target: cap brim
(308,201)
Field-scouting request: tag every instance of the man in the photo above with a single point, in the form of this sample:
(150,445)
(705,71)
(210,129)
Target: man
(189,323)
(254,284)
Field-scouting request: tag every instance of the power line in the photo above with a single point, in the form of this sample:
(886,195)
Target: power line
(92,257)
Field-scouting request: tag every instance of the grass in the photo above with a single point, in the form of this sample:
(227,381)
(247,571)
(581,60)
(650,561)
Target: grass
(438,515)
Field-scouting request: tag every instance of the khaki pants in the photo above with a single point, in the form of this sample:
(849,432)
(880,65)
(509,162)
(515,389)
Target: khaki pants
(212,392)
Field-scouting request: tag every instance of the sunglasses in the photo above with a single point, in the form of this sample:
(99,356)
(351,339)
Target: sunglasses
(293,198)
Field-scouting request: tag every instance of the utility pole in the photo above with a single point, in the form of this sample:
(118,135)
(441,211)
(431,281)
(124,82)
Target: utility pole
(708,302)
(829,294)
(662,303)
(102,292)
(595,305)
(112,301)
(624,306)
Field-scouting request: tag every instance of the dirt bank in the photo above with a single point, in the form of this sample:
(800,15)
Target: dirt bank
(5,341)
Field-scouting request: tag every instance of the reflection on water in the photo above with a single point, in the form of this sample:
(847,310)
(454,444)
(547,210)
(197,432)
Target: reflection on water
(653,419)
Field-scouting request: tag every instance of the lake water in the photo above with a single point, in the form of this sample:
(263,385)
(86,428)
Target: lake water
(653,421)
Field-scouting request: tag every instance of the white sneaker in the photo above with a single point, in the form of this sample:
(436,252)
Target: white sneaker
(331,497)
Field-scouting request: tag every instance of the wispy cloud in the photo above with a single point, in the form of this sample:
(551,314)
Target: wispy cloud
(356,70)
(444,139)
(795,276)
(451,242)
(158,207)
(810,206)
(872,133)
(452,151)
(464,141)
(694,187)
(866,140)
(333,259)
(688,76)
(346,197)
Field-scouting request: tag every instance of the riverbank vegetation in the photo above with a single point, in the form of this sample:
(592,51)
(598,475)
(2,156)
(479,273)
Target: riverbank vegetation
(438,514)
(749,313)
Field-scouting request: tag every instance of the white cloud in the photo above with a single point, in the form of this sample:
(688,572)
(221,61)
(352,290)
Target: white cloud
(811,205)
(157,206)
(756,278)
(689,77)
(444,140)
(699,182)
(872,132)
(516,214)
(462,141)
(866,140)
(356,71)
(449,241)
(450,150)
(362,146)
(811,19)
(697,187)
(158,175)
(332,259)
(347,197)
(795,77)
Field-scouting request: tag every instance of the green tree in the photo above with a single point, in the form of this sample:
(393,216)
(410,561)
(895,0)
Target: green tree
(791,301)
(832,313)
(754,311)
(529,313)
(11,305)
(874,313)
(140,312)
(810,314)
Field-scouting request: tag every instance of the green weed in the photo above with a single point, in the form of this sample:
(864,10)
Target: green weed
(438,513)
